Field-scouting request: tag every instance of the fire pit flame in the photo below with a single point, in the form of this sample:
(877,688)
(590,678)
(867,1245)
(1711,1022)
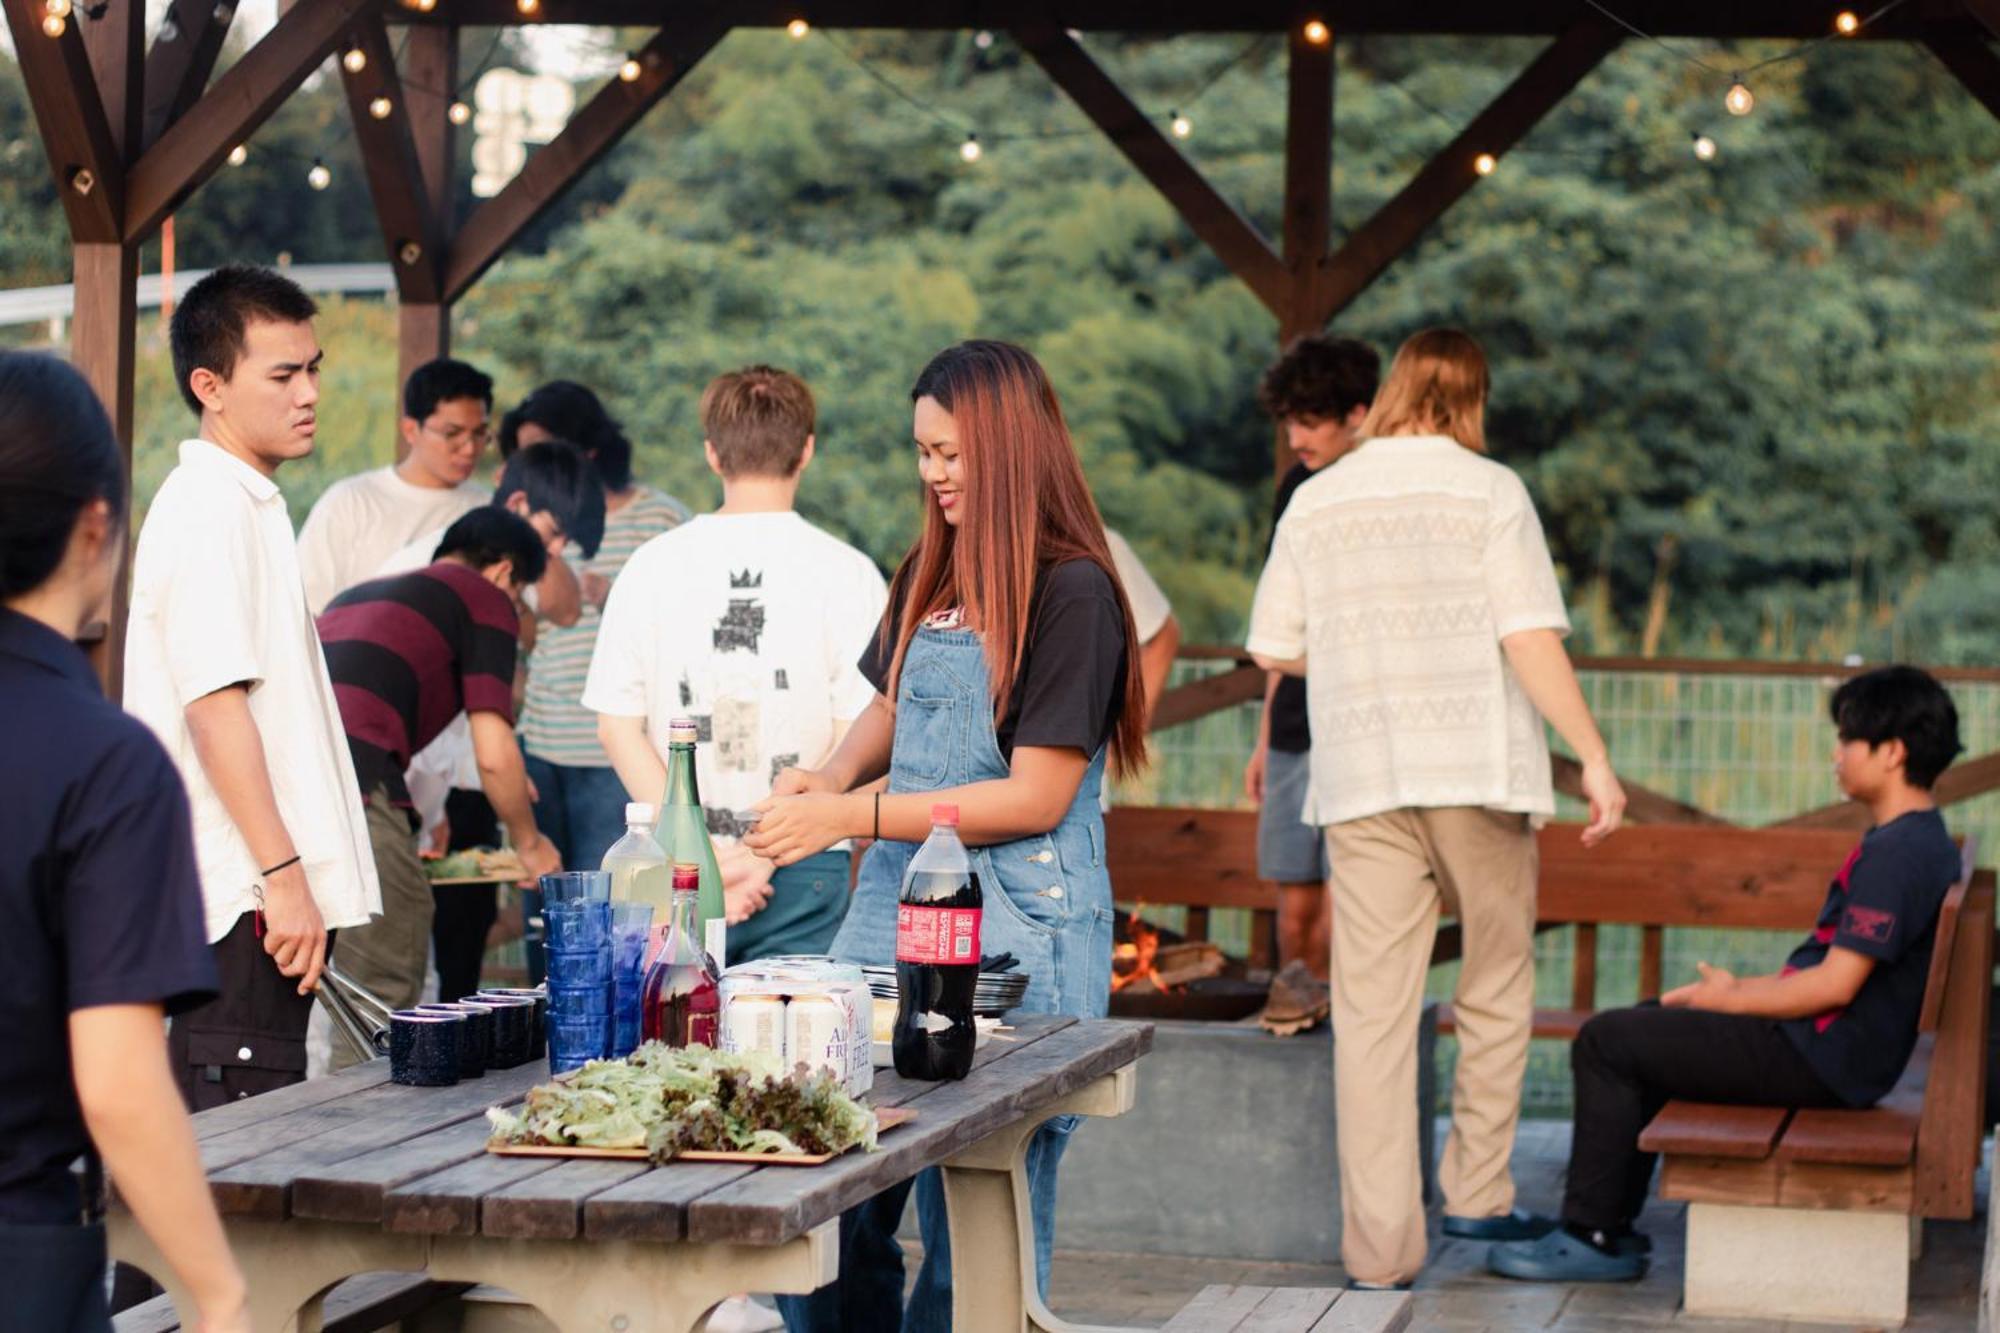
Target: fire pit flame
(1134,961)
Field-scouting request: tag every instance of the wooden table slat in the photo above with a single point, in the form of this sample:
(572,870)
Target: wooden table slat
(549,1206)
(370,1123)
(255,1111)
(447,1203)
(352,1190)
(771,1206)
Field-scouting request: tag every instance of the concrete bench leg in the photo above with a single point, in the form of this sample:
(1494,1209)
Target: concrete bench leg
(992,1234)
(1798,1263)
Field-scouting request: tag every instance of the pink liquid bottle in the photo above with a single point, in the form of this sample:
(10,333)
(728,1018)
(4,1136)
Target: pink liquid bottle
(681,1004)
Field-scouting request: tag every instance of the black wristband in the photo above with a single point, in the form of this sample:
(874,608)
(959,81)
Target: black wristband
(878,816)
(266,874)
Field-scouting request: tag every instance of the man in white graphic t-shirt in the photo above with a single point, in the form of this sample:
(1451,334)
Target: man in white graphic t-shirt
(752,621)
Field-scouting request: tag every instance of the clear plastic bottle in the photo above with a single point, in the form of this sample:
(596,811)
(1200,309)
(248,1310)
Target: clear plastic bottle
(639,870)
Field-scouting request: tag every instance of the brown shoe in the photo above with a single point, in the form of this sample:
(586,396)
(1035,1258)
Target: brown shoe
(1298,1002)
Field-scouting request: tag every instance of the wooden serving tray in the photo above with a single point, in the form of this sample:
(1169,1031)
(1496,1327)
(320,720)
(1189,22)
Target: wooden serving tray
(885,1120)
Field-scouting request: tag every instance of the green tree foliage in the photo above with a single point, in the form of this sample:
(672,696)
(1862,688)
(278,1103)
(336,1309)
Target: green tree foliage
(1753,396)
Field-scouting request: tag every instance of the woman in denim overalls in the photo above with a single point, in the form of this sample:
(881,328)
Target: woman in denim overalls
(1012,683)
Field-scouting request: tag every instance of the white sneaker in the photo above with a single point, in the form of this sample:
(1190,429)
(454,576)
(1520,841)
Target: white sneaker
(740,1314)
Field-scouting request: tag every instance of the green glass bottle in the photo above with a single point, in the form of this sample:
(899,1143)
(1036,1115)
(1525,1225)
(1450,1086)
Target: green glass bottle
(683,834)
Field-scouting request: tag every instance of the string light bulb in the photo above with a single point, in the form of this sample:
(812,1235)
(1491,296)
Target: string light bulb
(54,25)
(238,155)
(1317,32)
(458,113)
(1181,126)
(355,60)
(319,177)
(425,6)
(970,149)
(630,71)
(1739,99)
(380,107)
(1485,163)
(983,39)
(528,7)
(1847,23)
(1704,147)
(57,9)
(798,28)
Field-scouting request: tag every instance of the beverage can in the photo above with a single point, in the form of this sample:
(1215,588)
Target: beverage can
(753,1021)
(818,1034)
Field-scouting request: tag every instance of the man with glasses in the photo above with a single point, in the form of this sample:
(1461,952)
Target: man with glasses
(361,521)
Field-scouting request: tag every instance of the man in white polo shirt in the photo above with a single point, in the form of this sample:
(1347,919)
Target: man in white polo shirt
(223,663)
(1410,585)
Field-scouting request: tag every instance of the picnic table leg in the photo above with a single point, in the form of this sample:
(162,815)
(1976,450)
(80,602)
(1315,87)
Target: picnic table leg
(584,1286)
(289,1265)
(992,1235)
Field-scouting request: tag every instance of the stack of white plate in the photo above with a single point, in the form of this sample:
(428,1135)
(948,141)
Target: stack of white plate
(996,993)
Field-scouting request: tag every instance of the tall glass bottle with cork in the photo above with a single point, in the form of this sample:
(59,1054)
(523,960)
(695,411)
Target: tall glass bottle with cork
(683,833)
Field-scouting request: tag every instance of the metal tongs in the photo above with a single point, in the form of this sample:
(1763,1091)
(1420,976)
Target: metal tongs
(358,1015)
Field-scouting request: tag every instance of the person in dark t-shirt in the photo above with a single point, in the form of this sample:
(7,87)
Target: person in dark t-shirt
(407,654)
(1833,1028)
(1318,393)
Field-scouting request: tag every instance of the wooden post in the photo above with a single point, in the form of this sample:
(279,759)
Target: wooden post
(1308,221)
(430,78)
(103,344)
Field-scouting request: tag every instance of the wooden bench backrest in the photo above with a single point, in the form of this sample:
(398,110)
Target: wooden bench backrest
(1947,938)
(1690,875)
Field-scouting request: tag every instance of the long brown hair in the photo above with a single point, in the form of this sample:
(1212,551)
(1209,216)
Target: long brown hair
(1438,382)
(1027,507)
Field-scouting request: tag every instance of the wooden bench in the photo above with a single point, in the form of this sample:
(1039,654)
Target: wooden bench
(1818,1213)
(1292,1310)
(361,1304)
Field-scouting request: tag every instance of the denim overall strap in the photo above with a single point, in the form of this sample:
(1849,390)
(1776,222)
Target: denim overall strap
(1048,897)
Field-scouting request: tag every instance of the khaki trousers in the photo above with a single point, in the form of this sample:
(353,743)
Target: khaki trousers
(389,956)
(1391,875)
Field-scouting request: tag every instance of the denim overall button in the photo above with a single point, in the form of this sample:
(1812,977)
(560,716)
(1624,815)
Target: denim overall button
(1054,891)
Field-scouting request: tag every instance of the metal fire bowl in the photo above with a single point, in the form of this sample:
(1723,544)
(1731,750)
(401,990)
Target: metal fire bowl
(1210,1000)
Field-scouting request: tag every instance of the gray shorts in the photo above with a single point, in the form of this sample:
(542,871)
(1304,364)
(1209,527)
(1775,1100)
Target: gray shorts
(1288,851)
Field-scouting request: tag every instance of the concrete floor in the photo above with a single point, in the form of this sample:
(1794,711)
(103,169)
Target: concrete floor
(1456,1295)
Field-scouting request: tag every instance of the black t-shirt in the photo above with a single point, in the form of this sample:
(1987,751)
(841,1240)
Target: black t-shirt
(1070,688)
(1883,903)
(100,897)
(1290,732)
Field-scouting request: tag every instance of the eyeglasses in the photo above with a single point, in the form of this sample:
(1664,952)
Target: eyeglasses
(480,437)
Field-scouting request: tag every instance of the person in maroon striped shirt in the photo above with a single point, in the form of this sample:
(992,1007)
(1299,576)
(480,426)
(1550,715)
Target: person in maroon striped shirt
(407,654)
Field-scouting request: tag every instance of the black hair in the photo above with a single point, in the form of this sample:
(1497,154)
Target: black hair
(485,536)
(555,476)
(1320,377)
(208,324)
(570,411)
(1901,703)
(57,454)
(442,381)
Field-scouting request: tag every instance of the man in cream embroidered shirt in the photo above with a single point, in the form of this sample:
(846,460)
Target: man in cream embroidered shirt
(1397,595)
(217,601)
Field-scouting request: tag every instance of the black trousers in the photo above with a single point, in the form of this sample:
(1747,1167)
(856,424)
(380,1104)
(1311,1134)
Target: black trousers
(465,912)
(53,1277)
(251,1037)
(1628,1063)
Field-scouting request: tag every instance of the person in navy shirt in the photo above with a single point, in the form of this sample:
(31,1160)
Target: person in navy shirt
(1833,1028)
(103,921)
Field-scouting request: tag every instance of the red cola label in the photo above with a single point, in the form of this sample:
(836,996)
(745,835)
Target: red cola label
(946,935)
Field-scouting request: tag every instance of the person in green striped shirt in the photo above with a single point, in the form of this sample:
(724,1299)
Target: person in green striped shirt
(582,802)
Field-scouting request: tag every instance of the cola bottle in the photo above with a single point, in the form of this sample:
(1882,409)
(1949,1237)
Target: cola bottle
(937,956)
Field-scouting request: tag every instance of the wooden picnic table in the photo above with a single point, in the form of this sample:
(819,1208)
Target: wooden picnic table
(353,1174)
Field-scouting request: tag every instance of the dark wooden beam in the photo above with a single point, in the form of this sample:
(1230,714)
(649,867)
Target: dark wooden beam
(1794,19)
(116,42)
(1962,48)
(103,343)
(178,67)
(430,69)
(1961,782)
(664,61)
(1987,12)
(1233,237)
(62,89)
(1396,226)
(1643,805)
(189,152)
(1308,215)
(410,232)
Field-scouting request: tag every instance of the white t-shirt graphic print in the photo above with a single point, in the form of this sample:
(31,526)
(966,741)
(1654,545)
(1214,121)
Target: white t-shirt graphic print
(752,624)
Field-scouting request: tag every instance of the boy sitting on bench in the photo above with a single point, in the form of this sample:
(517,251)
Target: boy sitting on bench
(1833,1028)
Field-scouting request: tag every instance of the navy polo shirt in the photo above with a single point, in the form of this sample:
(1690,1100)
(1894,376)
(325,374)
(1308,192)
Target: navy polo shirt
(99,900)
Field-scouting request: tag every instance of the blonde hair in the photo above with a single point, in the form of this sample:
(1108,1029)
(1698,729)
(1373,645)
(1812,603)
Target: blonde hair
(1436,385)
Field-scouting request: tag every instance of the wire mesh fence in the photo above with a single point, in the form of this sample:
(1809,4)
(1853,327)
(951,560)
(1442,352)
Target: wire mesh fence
(1753,749)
